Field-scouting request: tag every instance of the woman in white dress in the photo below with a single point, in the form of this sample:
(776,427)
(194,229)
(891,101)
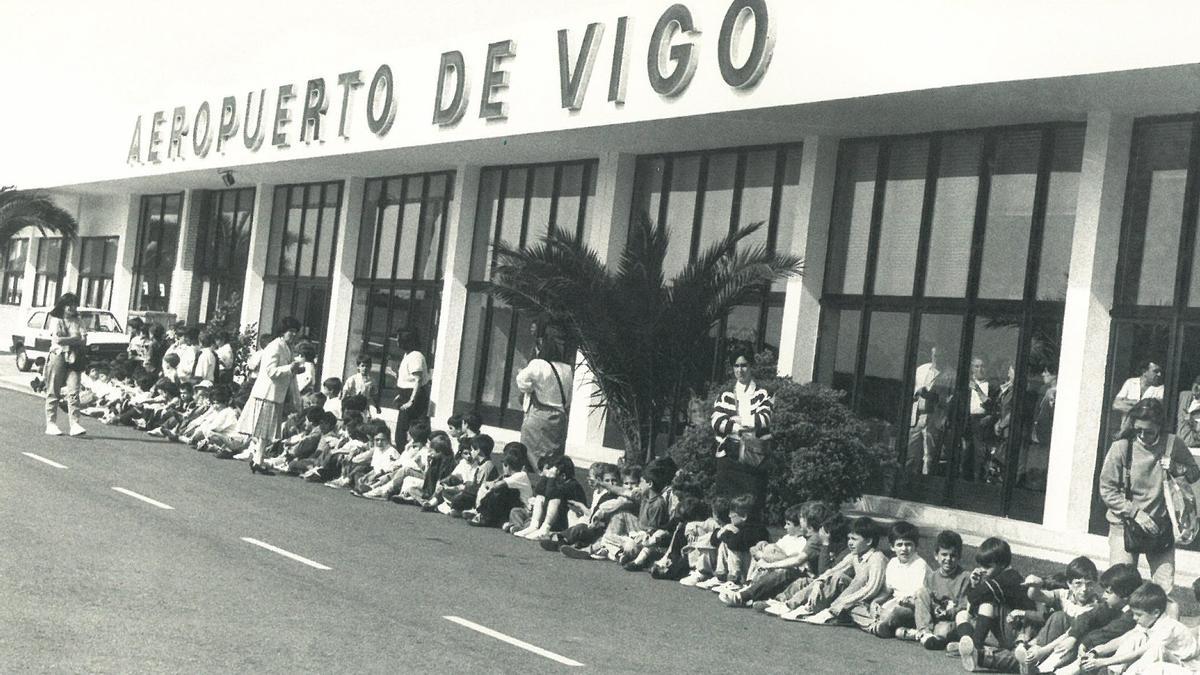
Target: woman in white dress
(274,389)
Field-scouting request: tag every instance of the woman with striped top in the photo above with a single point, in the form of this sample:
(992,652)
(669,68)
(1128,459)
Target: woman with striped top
(741,421)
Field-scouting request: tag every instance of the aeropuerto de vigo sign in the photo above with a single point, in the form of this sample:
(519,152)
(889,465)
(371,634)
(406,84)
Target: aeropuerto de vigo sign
(671,61)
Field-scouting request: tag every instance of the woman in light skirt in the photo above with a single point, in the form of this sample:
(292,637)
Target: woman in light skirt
(274,388)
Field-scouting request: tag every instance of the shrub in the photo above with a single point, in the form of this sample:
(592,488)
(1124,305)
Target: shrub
(821,450)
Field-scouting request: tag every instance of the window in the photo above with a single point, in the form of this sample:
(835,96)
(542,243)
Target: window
(50,265)
(14,251)
(943,304)
(398,275)
(1156,306)
(704,196)
(97,262)
(154,259)
(304,226)
(517,205)
(222,250)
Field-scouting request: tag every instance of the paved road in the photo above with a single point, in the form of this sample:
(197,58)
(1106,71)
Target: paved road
(94,580)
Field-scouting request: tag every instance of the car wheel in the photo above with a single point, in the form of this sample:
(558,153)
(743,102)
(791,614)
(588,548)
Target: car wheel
(23,363)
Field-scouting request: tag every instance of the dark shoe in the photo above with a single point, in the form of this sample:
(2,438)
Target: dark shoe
(551,545)
(476,522)
(261,468)
(226,454)
(574,553)
(636,566)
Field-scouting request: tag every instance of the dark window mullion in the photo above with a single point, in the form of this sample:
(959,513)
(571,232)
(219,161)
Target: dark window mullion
(932,169)
(500,201)
(664,192)
(400,209)
(1187,234)
(777,201)
(698,209)
(1136,213)
(506,382)
(446,197)
(584,182)
(1037,224)
(555,189)
(316,240)
(379,210)
(876,228)
(525,207)
(484,352)
(978,233)
(300,237)
(422,231)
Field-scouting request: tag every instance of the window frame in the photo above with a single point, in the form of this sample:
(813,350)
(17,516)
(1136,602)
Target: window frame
(140,271)
(41,279)
(12,282)
(107,269)
(222,273)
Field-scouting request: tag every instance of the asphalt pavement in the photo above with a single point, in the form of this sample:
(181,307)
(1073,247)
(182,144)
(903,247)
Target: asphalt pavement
(97,579)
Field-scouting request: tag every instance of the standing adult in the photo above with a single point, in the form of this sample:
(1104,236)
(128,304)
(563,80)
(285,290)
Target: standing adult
(928,416)
(978,442)
(546,383)
(274,388)
(741,420)
(413,382)
(1147,384)
(1131,485)
(64,363)
(1186,415)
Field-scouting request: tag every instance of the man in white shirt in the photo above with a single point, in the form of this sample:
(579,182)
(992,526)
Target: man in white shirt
(1146,385)
(925,426)
(979,440)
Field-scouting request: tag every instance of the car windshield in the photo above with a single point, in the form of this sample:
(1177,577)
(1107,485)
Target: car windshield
(99,322)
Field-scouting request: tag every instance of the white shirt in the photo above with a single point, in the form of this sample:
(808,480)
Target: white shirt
(904,580)
(745,396)
(542,378)
(1132,390)
(334,405)
(1166,640)
(225,354)
(187,361)
(412,372)
(385,459)
(221,421)
(792,545)
(519,481)
(979,387)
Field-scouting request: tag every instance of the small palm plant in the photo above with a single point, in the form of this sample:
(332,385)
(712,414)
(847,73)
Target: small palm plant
(641,335)
(20,209)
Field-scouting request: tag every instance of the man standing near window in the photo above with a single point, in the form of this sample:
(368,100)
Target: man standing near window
(1146,385)
(928,416)
(979,440)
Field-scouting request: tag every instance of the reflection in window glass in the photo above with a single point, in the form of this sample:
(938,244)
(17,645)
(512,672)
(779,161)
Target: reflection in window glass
(883,374)
(929,449)
(838,345)
(718,199)
(154,259)
(904,193)
(953,216)
(1158,176)
(850,228)
(681,213)
(1009,215)
(1059,228)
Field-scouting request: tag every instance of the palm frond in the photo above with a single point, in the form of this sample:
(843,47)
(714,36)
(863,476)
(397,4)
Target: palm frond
(19,209)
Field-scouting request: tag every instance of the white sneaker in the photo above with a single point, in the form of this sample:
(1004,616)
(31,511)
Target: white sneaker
(52,429)
(776,608)
(244,455)
(692,579)
(77,429)
(444,508)
(338,483)
(709,583)
(727,587)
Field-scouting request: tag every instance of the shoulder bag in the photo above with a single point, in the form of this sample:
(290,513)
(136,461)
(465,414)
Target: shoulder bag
(1137,539)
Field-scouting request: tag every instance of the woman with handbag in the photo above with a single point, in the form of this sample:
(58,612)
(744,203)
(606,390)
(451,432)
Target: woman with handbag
(741,420)
(545,383)
(274,389)
(1131,485)
(64,362)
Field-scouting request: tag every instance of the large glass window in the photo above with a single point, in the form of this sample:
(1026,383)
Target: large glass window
(154,260)
(50,265)
(517,205)
(222,250)
(97,262)
(702,197)
(1156,308)
(398,276)
(13,254)
(943,305)
(304,225)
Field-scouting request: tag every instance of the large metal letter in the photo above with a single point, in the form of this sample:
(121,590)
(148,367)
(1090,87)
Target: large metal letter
(452,113)
(383,80)
(348,82)
(732,29)
(573,86)
(683,55)
(201,142)
(494,78)
(619,76)
(155,137)
(135,144)
(254,141)
(178,131)
(283,116)
(229,121)
(315,106)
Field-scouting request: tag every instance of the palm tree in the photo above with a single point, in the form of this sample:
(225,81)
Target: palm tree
(641,335)
(20,209)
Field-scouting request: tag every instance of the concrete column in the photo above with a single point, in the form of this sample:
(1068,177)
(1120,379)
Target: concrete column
(1086,322)
(810,241)
(122,293)
(180,301)
(608,230)
(260,232)
(341,294)
(460,230)
(70,280)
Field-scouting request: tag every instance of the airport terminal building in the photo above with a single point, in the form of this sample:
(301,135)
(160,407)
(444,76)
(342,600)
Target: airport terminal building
(972,217)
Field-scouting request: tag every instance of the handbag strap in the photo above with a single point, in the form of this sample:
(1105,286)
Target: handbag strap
(1128,470)
(561,391)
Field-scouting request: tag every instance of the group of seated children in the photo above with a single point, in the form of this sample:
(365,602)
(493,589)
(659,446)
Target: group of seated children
(825,569)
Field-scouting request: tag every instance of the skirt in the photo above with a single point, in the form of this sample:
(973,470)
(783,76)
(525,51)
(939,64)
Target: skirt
(260,419)
(544,433)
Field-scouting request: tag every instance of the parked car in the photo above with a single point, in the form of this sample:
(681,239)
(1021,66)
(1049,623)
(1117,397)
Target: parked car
(105,337)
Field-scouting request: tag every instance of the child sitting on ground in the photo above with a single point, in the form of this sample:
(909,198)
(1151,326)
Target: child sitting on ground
(1036,643)
(376,457)
(734,541)
(593,520)
(941,596)
(833,569)
(460,496)
(558,491)
(498,497)
(903,580)
(1156,640)
(332,389)
(700,548)
(360,383)
(995,589)
(627,534)
(775,566)
(439,462)
(867,568)
(328,440)
(1111,619)
(218,427)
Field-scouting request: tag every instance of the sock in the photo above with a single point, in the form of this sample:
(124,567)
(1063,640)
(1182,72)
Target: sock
(965,630)
(983,625)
